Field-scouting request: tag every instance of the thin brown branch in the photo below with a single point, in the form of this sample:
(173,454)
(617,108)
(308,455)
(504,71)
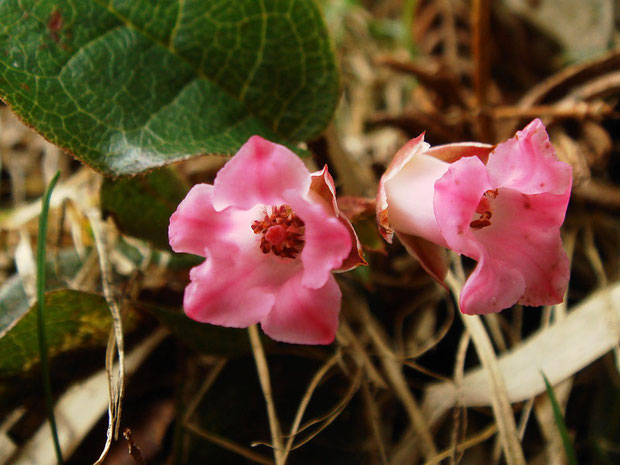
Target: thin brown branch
(606,195)
(580,111)
(481,15)
(432,75)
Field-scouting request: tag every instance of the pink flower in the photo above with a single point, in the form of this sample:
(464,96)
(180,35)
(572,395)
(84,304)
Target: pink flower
(271,234)
(502,206)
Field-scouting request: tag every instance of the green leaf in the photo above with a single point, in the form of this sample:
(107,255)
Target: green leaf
(202,337)
(559,421)
(142,206)
(74,319)
(129,85)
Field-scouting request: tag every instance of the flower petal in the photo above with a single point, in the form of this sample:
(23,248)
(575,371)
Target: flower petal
(453,152)
(410,197)
(457,194)
(412,148)
(195,225)
(520,254)
(431,256)
(234,287)
(258,174)
(527,163)
(491,287)
(323,185)
(302,315)
(525,236)
(207,299)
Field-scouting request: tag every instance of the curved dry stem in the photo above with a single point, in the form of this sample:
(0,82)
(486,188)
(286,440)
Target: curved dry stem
(501,407)
(229,445)
(462,446)
(374,417)
(435,338)
(263,375)
(346,337)
(459,408)
(394,372)
(316,379)
(330,416)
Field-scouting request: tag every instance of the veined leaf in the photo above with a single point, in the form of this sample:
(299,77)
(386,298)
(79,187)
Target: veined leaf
(142,205)
(202,337)
(73,319)
(128,85)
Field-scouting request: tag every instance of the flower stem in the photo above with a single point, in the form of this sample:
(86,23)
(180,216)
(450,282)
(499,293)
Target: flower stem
(263,375)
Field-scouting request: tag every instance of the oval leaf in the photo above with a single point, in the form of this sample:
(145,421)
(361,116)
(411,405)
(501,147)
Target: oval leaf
(73,319)
(142,206)
(129,85)
(201,337)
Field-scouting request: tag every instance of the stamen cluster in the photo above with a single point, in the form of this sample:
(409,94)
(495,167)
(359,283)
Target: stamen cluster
(282,232)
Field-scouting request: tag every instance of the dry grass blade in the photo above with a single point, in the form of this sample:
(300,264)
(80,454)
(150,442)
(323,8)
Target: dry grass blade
(437,337)
(26,266)
(459,369)
(229,445)
(265,383)
(7,446)
(79,409)
(374,419)
(416,366)
(394,372)
(499,398)
(316,379)
(493,323)
(462,446)
(594,257)
(69,189)
(330,416)
(589,331)
(116,384)
(525,416)
(206,385)
(347,337)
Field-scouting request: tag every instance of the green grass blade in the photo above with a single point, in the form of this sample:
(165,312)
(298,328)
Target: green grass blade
(45,371)
(559,421)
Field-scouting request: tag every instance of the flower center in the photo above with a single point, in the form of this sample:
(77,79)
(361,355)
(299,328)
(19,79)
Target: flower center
(483,210)
(281,231)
